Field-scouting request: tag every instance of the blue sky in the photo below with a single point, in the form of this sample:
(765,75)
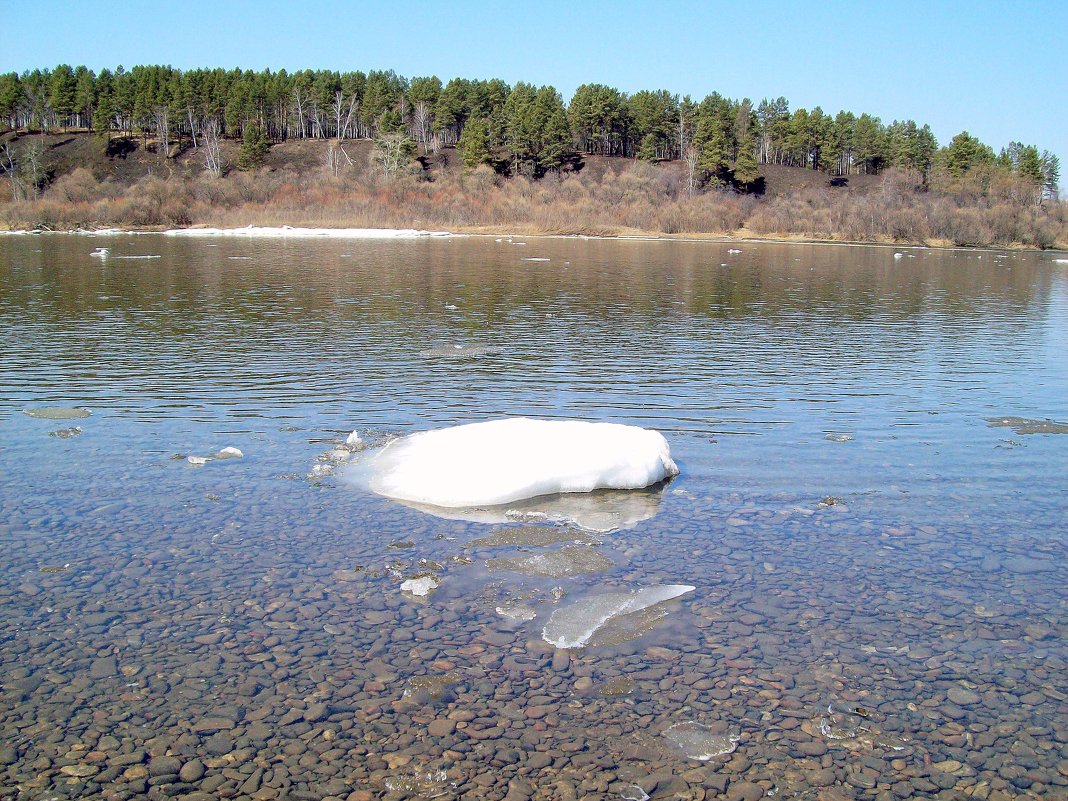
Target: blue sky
(997,71)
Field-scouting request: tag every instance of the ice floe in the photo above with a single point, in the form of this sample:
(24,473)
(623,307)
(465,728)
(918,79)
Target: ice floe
(502,461)
(574,625)
(57,413)
(269,232)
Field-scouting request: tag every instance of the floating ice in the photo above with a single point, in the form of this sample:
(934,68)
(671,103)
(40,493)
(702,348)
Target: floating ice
(899,255)
(501,461)
(574,625)
(66,433)
(100,253)
(420,587)
(229,452)
(197,461)
(1023,425)
(698,742)
(1061,261)
(353,440)
(733,250)
(459,351)
(57,413)
(838,437)
(290,231)
(538,259)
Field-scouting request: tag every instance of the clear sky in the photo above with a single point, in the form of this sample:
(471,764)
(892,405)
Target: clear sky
(999,71)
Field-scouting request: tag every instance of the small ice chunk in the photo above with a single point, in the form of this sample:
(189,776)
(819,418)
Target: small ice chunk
(450,306)
(66,433)
(100,253)
(733,251)
(518,612)
(839,437)
(1060,261)
(229,452)
(501,461)
(198,461)
(572,626)
(698,742)
(899,255)
(353,440)
(420,587)
(537,259)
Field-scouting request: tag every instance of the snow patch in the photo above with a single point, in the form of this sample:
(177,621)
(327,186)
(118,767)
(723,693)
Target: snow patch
(501,461)
(269,232)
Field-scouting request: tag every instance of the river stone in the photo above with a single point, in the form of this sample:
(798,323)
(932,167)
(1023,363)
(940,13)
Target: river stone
(962,696)
(441,727)
(164,766)
(192,771)
(745,791)
(103,668)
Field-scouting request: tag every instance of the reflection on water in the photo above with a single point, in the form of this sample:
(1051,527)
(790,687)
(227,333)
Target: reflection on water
(238,629)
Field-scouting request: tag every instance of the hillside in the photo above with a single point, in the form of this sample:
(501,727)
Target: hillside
(90,182)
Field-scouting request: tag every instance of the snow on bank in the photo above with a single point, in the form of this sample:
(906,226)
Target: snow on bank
(284,231)
(501,461)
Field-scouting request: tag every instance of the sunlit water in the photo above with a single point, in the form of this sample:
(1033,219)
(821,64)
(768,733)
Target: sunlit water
(879,573)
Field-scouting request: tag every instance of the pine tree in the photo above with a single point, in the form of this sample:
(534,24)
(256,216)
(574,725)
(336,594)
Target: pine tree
(254,148)
(474,144)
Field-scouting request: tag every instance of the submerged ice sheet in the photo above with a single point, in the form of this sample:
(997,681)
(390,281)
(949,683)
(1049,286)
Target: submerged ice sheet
(57,413)
(699,742)
(502,461)
(599,512)
(573,626)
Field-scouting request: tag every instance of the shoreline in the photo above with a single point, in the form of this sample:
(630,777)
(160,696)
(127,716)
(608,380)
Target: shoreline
(301,232)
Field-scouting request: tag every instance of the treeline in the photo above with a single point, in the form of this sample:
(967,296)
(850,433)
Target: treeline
(525,128)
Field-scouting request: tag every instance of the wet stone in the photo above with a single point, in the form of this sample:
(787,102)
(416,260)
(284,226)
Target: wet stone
(962,696)
(103,668)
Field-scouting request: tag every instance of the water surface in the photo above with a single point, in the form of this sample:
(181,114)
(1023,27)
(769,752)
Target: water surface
(879,566)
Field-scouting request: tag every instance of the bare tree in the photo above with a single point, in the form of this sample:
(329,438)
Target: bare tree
(391,152)
(421,123)
(24,172)
(338,107)
(212,151)
(10,167)
(161,118)
(336,155)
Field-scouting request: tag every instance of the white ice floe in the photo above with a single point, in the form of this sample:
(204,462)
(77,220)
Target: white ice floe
(537,259)
(100,253)
(733,250)
(229,452)
(198,461)
(353,440)
(323,233)
(1061,261)
(420,587)
(501,461)
(572,626)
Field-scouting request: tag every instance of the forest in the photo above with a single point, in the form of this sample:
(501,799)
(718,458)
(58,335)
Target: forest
(718,148)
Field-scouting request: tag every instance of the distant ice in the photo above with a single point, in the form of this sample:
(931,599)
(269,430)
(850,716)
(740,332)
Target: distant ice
(57,413)
(574,625)
(502,461)
(291,232)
